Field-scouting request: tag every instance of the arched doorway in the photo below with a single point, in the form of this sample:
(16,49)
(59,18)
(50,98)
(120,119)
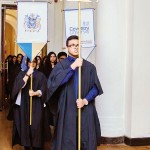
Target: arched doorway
(8,46)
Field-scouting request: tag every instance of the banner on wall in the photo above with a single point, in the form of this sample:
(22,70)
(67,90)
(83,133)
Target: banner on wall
(87,26)
(32,27)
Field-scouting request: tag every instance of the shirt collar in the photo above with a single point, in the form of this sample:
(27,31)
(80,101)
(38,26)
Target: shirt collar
(71,59)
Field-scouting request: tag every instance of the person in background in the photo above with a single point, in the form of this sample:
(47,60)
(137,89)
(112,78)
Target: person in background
(9,58)
(39,63)
(12,73)
(44,60)
(7,69)
(19,61)
(61,56)
(62,97)
(14,67)
(50,62)
(14,59)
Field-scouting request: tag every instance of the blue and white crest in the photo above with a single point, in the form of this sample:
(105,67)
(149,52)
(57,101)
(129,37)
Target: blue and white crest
(32,23)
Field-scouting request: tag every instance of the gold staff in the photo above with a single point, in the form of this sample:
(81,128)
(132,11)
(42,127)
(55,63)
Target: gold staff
(62,9)
(79,75)
(79,72)
(7,69)
(79,69)
(31,80)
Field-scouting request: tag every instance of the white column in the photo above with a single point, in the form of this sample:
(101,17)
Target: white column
(122,61)
(110,63)
(128,66)
(141,70)
(58,21)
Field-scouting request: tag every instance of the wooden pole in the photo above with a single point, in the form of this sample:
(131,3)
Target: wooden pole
(79,69)
(31,81)
(79,75)
(62,9)
(7,69)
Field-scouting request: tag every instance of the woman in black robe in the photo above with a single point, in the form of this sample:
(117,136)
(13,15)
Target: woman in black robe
(7,73)
(49,64)
(64,103)
(39,63)
(23,133)
(12,73)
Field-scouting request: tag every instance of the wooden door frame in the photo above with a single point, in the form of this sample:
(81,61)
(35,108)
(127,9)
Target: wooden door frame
(3,74)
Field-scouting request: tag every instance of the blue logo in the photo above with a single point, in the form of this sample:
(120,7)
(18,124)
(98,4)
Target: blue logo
(32,23)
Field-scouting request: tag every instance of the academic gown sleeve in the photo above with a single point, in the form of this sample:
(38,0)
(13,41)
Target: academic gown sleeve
(97,82)
(43,87)
(18,84)
(55,80)
(56,77)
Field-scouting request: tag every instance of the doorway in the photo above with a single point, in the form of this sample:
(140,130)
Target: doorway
(8,46)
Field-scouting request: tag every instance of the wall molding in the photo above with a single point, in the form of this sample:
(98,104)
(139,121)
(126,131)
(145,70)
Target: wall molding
(126,140)
(112,140)
(137,141)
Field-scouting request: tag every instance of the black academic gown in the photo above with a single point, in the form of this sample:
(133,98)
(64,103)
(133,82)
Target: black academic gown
(12,74)
(65,135)
(23,133)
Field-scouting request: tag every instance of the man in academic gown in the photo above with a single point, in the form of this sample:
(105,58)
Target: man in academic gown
(23,133)
(64,103)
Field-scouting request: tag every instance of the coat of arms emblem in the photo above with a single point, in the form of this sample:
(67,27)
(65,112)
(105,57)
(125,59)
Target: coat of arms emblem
(32,23)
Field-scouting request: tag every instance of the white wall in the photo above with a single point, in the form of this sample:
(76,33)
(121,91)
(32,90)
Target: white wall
(50,44)
(141,70)
(129,5)
(122,60)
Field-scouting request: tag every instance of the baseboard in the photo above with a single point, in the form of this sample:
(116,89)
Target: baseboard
(137,141)
(112,140)
(126,140)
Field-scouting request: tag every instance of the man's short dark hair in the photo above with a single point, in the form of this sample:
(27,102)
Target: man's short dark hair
(72,37)
(61,54)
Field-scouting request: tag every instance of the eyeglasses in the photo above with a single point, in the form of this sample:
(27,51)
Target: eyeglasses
(73,45)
